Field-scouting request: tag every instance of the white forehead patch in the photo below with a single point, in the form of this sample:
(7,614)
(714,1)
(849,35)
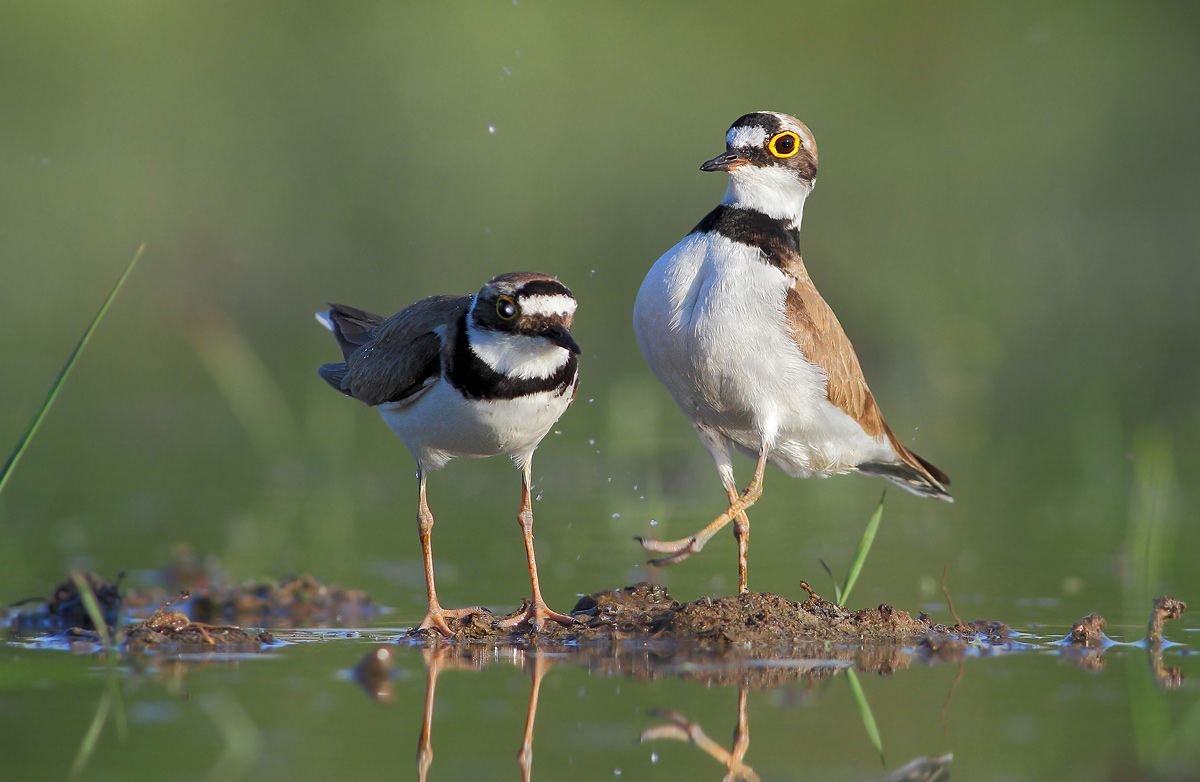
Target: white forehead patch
(746,136)
(543,304)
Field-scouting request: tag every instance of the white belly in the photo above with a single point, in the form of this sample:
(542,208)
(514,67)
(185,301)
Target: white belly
(441,424)
(710,320)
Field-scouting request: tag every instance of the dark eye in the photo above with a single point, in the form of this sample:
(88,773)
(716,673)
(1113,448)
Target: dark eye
(784,144)
(506,308)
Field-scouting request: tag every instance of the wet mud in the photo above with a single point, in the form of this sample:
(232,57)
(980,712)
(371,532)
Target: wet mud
(750,640)
(757,619)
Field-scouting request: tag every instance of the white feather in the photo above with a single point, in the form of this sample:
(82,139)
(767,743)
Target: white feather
(517,355)
(544,304)
(746,136)
(442,424)
(710,321)
(773,190)
(324,319)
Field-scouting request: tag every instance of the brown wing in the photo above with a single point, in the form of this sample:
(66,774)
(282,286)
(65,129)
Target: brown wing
(823,341)
(396,358)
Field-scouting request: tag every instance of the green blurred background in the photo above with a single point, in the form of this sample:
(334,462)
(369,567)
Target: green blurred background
(1006,222)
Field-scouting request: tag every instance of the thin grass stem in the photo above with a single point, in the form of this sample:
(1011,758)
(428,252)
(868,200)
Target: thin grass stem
(62,375)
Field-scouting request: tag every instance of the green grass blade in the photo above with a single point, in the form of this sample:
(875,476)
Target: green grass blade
(93,609)
(88,746)
(62,376)
(864,711)
(837,589)
(864,548)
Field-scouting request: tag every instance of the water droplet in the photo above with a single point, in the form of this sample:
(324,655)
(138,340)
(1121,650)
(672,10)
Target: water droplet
(592,273)
(538,498)
(492,129)
(506,71)
(591,442)
(653,522)
(593,399)
(616,772)
(653,757)
(635,487)
(616,515)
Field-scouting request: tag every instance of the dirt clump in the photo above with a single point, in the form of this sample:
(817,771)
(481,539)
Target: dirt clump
(758,620)
(1088,632)
(1164,608)
(173,631)
(293,601)
(65,609)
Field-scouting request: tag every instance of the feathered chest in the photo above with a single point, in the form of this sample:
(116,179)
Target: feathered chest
(711,321)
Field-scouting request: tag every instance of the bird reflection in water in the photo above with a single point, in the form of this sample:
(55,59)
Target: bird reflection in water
(679,727)
(374,675)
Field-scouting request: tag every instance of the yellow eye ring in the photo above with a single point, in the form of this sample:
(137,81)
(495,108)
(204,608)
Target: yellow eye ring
(784,145)
(506,308)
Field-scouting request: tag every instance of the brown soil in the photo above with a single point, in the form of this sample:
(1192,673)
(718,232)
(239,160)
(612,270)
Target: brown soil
(1088,632)
(753,621)
(294,601)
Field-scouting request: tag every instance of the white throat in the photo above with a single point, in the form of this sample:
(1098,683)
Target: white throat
(517,355)
(772,190)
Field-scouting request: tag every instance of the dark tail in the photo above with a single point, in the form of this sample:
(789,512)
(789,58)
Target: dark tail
(351,326)
(912,472)
(335,375)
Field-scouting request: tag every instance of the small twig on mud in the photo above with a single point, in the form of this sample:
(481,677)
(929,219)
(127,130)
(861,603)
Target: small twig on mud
(957,622)
(813,595)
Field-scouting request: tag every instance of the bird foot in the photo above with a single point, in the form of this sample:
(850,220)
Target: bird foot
(678,550)
(535,615)
(435,618)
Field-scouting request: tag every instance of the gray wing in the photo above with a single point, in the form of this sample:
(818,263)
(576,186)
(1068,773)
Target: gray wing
(391,360)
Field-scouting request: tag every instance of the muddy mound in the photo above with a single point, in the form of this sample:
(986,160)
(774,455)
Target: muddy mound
(754,620)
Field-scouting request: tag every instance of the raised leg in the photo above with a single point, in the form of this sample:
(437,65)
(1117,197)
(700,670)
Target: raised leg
(679,550)
(537,613)
(435,616)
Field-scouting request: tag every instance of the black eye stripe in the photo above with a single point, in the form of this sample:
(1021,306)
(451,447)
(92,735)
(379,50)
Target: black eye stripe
(544,288)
